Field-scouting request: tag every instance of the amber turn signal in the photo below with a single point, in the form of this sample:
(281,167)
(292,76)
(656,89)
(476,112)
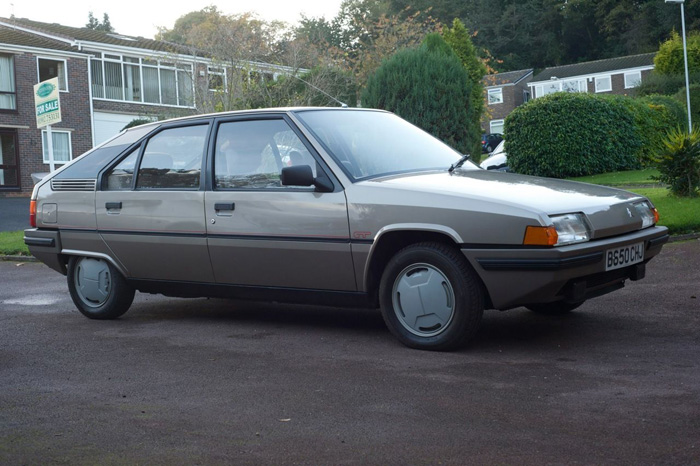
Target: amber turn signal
(656,215)
(540,236)
(32,214)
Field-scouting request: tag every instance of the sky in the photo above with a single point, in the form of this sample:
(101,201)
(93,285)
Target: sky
(142,18)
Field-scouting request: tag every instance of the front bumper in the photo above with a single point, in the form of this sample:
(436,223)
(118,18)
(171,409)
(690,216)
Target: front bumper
(520,276)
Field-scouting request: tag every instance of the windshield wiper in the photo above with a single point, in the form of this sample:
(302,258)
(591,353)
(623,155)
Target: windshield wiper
(459,163)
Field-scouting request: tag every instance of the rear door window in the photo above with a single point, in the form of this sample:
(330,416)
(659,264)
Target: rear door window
(172,159)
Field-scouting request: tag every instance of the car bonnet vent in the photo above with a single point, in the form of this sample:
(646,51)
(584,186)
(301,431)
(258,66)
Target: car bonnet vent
(73,185)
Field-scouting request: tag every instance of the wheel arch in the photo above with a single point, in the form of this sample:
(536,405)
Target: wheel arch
(66,254)
(391,239)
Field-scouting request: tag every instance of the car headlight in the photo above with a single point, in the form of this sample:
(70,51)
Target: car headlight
(565,229)
(571,228)
(648,213)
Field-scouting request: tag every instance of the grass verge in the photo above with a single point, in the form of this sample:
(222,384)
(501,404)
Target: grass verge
(12,243)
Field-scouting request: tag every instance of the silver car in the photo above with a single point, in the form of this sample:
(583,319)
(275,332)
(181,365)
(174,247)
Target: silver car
(345,207)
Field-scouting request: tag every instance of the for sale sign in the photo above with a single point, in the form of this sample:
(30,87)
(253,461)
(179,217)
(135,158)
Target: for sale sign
(48,107)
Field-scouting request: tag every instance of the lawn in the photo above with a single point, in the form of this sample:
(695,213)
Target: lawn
(12,243)
(626,178)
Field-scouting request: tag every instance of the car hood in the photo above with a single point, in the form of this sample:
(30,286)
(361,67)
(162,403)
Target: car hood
(609,211)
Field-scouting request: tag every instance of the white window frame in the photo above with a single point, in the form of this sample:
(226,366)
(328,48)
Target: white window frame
(495,92)
(45,150)
(152,63)
(65,70)
(497,123)
(637,75)
(602,79)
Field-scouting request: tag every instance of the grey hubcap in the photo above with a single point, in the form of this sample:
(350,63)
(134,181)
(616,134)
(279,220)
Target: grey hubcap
(423,300)
(93,282)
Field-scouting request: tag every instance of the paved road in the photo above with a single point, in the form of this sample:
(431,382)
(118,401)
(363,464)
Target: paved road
(14,213)
(211,381)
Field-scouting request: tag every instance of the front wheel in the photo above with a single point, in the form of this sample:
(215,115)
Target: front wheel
(98,290)
(430,297)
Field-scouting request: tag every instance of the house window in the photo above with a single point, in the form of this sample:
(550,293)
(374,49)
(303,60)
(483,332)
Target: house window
(495,96)
(8,92)
(549,88)
(61,146)
(497,126)
(526,96)
(9,169)
(133,79)
(217,78)
(573,86)
(633,79)
(49,68)
(603,84)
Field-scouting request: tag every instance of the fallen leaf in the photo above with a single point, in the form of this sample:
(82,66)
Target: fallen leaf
(285,420)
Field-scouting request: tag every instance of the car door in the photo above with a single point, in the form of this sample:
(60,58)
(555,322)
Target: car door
(262,233)
(150,207)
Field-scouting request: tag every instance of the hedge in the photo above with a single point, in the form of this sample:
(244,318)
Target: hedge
(566,134)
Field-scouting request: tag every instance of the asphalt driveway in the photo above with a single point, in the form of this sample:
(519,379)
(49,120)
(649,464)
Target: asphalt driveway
(200,381)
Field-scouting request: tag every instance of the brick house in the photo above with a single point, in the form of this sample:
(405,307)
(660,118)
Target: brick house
(106,80)
(611,76)
(503,93)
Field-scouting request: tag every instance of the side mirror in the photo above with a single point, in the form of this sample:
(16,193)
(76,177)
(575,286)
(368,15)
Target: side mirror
(301,175)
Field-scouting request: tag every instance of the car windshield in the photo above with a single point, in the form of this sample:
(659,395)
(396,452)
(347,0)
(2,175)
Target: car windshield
(369,144)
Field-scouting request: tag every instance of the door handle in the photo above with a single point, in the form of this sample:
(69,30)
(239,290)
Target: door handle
(224,206)
(113,205)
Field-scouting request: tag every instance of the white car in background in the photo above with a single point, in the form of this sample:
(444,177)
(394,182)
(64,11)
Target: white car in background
(498,160)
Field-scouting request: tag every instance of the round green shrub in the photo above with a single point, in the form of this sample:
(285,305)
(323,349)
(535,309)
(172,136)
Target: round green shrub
(429,87)
(563,135)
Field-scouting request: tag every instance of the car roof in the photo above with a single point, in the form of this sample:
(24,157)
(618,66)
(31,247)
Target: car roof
(279,110)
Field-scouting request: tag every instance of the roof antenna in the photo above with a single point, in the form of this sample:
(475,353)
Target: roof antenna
(12,14)
(342,104)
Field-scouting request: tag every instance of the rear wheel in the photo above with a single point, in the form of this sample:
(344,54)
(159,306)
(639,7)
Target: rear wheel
(430,297)
(98,290)
(554,309)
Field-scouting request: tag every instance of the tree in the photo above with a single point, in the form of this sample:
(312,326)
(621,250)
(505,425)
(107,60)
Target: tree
(363,34)
(427,86)
(540,33)
(94,24)
(459,40)
(670,61)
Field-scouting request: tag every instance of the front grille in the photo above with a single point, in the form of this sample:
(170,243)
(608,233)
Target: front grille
(73,185)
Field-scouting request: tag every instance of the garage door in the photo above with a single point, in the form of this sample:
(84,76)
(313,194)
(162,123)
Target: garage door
(110,124)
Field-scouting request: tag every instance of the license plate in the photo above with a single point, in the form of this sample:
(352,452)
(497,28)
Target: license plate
(622,257)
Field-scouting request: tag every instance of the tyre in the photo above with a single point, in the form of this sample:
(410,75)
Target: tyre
(431,298)
(489,149)
(98,290)
(554,309)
